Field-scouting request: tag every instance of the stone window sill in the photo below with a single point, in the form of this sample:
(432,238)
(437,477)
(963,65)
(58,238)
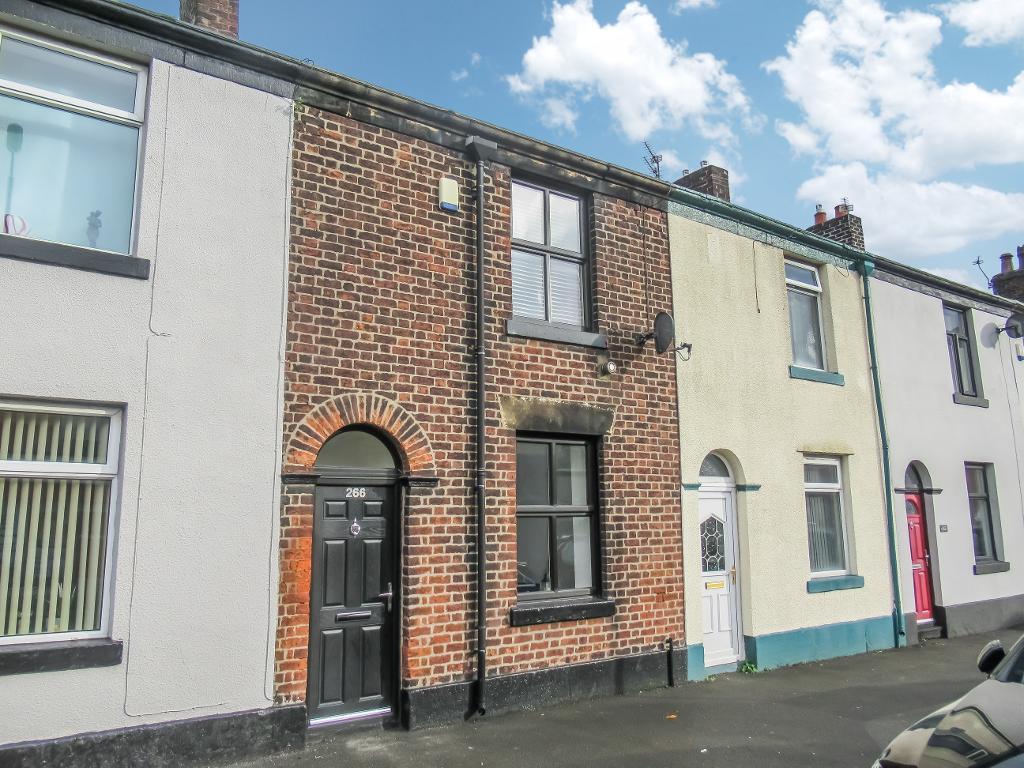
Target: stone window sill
(977,402)
(990,566)
(73,256)
(812,374)
(833,583)
(538,329)
(25,658)
(550,611)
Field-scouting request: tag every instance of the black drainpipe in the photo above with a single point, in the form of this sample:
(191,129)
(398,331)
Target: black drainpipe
(481,151)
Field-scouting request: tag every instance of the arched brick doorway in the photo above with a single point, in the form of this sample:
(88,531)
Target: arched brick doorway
(314,504)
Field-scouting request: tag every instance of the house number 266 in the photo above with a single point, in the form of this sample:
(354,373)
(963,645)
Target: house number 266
(355,493)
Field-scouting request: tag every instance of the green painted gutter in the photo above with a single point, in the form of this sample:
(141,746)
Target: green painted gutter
(899,630)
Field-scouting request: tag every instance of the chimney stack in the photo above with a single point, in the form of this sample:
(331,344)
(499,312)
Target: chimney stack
(709,179)
(220,16)
(1009,283)
(844,228)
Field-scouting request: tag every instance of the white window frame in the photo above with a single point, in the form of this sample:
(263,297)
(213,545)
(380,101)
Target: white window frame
(47,98)
(810,290)
(837,488)
(76,471)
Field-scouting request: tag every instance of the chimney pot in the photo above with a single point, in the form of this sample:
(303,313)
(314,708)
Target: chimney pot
(220,16)
(1020,257)
(840,211)
(1006,262)
(704,163)
(819,214)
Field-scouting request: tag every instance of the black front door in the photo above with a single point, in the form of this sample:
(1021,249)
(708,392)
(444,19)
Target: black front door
(354,601)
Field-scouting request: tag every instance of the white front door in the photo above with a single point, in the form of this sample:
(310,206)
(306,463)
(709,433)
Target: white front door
(722,636)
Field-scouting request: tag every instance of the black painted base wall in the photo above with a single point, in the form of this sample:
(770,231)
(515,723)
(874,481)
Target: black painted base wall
(197,742)
(982,616)
(445,704)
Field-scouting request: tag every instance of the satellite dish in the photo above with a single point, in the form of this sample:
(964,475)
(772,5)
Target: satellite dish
(663,333)
(1015,325)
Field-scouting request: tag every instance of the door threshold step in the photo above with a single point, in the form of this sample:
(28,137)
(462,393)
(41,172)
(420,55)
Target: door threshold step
(351,717)
(929,632)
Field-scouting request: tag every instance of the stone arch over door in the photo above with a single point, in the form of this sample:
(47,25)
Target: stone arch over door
(411,446)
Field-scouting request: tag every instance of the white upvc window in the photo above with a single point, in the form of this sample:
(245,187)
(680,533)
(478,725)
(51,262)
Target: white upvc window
(58,486)
(803,291)
(70,126)
(826,525)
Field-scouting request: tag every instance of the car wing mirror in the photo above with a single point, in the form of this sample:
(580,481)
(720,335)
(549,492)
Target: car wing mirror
(990,656)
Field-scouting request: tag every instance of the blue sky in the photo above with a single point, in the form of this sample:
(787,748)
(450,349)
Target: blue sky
(913,110)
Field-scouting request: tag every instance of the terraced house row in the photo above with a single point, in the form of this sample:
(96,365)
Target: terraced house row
(321,404)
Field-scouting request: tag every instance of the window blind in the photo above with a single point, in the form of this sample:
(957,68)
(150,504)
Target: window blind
(53,530)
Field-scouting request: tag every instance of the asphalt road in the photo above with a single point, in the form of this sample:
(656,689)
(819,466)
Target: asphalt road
(835,713)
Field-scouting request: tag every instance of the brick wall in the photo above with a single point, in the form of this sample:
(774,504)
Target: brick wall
(846,228)
(381,307)
(216,15)
(709,179)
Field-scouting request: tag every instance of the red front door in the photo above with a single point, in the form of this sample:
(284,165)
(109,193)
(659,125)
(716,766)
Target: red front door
(920,560)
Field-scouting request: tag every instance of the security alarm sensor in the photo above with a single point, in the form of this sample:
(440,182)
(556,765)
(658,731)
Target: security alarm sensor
(448,195)
(609,367)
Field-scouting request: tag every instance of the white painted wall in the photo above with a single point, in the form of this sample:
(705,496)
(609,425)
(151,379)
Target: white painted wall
(195,355)
(736,397)
(925,425)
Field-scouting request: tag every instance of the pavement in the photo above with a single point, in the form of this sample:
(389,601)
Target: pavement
(840,712)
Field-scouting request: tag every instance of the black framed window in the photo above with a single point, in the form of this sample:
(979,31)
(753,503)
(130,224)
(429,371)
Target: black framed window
(961,352)
(556,518)
(549,256)
(979,495)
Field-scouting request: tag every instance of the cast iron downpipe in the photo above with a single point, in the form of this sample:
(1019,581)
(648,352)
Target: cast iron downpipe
(481,151)
(866,267)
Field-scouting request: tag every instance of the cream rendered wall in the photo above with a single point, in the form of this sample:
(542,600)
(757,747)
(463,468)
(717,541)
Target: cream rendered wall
(195,355)
(925,425)
(736,396)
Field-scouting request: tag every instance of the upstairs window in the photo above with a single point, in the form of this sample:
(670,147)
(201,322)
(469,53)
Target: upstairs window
(803,290)
(69,143)
(961,352)
(549,269)
(58,476)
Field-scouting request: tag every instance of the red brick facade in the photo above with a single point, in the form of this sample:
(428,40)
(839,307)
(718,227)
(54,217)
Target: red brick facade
(381,306)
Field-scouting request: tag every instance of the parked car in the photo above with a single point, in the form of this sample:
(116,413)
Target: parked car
(984,727)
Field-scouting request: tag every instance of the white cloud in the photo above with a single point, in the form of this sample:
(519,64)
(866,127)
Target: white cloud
(906,218)
(685,5)
(474,58)
(649,82)
(987,22)
(886,130)
(802,138)
(864,79)
(558,113)
(459,75)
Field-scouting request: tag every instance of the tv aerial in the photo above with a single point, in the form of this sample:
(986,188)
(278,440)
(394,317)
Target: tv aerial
(664,335)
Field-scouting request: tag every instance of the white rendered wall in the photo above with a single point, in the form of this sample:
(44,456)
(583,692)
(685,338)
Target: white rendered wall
(736,397)
(925,425)
(194,355)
